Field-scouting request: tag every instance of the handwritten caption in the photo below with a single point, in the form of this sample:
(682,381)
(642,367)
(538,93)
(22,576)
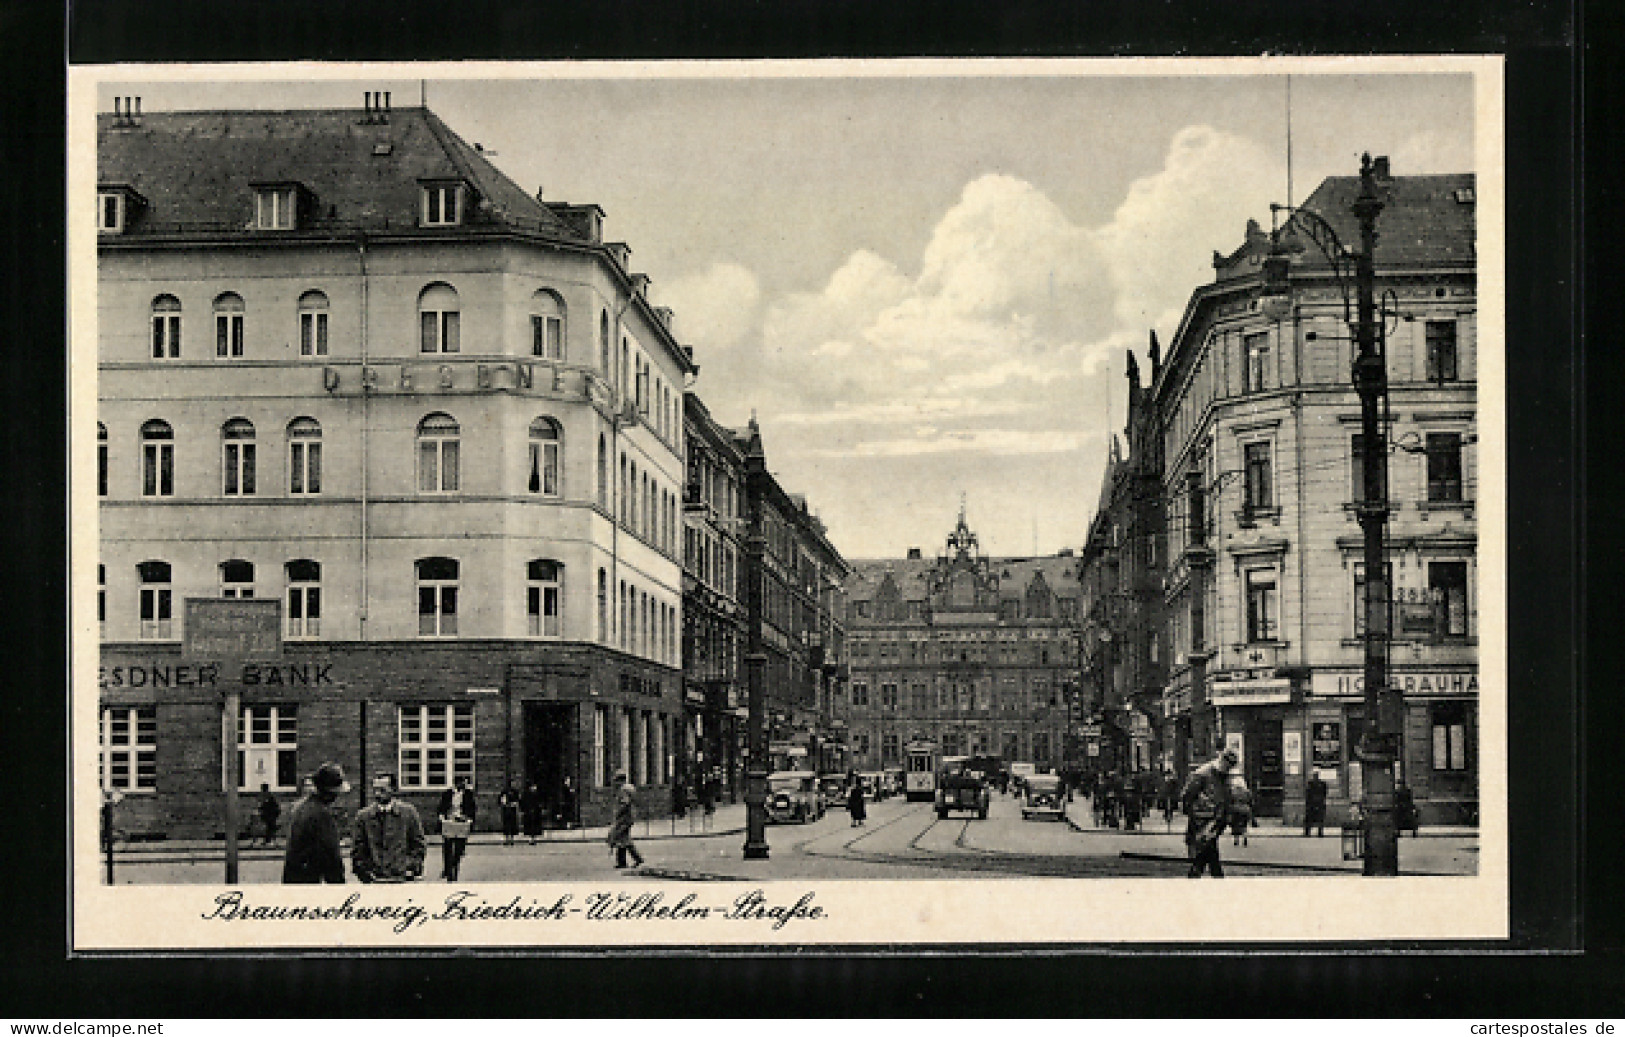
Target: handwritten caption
(466,906)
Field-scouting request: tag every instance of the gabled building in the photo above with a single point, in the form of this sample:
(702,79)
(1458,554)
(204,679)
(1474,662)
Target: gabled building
(973,653)
(346,364)
(1261,468)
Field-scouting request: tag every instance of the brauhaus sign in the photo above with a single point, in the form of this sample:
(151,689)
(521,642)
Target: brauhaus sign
(1428,682)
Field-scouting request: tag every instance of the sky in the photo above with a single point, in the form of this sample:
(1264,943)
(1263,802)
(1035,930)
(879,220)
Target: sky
(922,284)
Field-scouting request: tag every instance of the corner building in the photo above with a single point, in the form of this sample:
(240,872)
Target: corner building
(1261,465)
(347,364)
(975,654)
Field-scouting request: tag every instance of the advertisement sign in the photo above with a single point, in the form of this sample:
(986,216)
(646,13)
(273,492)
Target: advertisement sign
(1327,743)
(1238,741)
(1250,692)
(1292,751)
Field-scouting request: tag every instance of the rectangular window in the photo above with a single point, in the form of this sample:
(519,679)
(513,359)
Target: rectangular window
(860,743)
(304,610)
(860,694)
(542,608)
(1258,357)
(305,467)
(156,622)
(547,337)
(129,748)
(1261,605)
(1441,345)
(166,336)
(268,747)
(1260,488)
(1041,748)
(441,331)
(436,746)
(313,334)
(1444,466)
(274,208)
(441,205)
(239,467)
(228,335)
(1450,736)
(1447,587)
(101,469)
(110,212)
(889,755)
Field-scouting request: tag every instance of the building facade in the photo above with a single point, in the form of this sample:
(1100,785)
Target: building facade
(975,654)
(346,364)
(1261,470)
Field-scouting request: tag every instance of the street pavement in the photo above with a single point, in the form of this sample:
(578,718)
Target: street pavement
(900,840)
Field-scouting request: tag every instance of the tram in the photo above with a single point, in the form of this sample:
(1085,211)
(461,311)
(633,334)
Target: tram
(920,771)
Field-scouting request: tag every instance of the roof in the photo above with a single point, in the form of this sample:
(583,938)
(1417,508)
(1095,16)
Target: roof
(197,170)
(910,576)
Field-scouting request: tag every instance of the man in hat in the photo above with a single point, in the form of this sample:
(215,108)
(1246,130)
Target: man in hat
(389,844)
(620,832)
(1206,800)
(313,833)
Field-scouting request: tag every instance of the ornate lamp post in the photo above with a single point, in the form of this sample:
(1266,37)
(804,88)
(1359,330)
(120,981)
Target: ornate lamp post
(1379,745)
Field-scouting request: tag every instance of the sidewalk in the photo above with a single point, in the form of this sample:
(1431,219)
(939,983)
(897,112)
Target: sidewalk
(1439,850)
(729,819)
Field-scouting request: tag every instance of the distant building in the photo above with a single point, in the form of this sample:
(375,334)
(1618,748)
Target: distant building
(348,365)
(975,654)
(1260,456)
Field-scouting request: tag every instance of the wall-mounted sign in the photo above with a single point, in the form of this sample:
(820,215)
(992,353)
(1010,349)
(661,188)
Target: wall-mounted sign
(1292,751)
(232,628)
(1326,742)
(1250,693)
(1432,682)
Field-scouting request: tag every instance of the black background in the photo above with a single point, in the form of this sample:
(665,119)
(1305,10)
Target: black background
(1563,960)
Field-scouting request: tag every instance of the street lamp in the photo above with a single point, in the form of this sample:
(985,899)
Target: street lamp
(1379,746)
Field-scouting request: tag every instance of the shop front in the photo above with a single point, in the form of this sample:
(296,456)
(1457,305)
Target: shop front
(1253,713)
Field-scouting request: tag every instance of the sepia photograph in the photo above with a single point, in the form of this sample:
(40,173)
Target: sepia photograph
(691,504)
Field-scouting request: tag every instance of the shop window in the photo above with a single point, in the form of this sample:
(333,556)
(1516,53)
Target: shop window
(129,748)
(436,745)
(268,747)
(304,598)
(1450,749)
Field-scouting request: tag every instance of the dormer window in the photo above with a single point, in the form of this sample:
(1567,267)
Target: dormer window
(276,207)
(116,206)
(442,204)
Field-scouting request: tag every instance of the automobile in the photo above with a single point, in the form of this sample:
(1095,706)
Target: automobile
(793,796)
(833,788)
(959,788)
(874,785)
(1043,797)
(894,782)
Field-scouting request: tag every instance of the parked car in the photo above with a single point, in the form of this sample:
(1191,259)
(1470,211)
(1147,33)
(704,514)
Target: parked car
(793,796)
(1043,796)
(893,783)
(833,788)
(874,785)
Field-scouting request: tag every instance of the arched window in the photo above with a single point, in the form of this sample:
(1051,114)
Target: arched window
(438,319)
(438,436)
(228,325)
(237,447)
(543,477)
(166,327)
(236,579)
(437,597)
(603,343)
(546,325)
(156,601)
(603,473)
(304,457)
(542,597)
(304,598)
(101,459)
(313,324)
(157,459)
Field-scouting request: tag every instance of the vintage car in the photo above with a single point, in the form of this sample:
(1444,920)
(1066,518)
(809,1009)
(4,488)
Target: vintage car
(833,788)
(874,786)
(961,789)
(793,796)
(1043,796)
(892,783)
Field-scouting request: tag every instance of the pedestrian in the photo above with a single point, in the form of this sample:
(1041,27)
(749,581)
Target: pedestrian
(508,803)
(620,832)
(457,808)
(530,808)
(679,798)
(1205,800)
(1241,809)
(1314,806)
(1405,812)
(1170,797)
(854,804)
(708,794)
(270,810)
(389,845)
(313,854)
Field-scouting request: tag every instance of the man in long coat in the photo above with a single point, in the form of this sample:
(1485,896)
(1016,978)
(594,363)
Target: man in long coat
(313,833)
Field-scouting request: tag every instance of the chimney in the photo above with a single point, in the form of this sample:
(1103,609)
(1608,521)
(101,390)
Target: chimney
(913,554)
(367,103)
(138,122)
(1379,165)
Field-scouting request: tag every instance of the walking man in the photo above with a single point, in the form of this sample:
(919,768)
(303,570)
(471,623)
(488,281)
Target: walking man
(1314,806)
(1206,800)
(456,821)
(270,810)
(313,854)
(620,832)
(389,844)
